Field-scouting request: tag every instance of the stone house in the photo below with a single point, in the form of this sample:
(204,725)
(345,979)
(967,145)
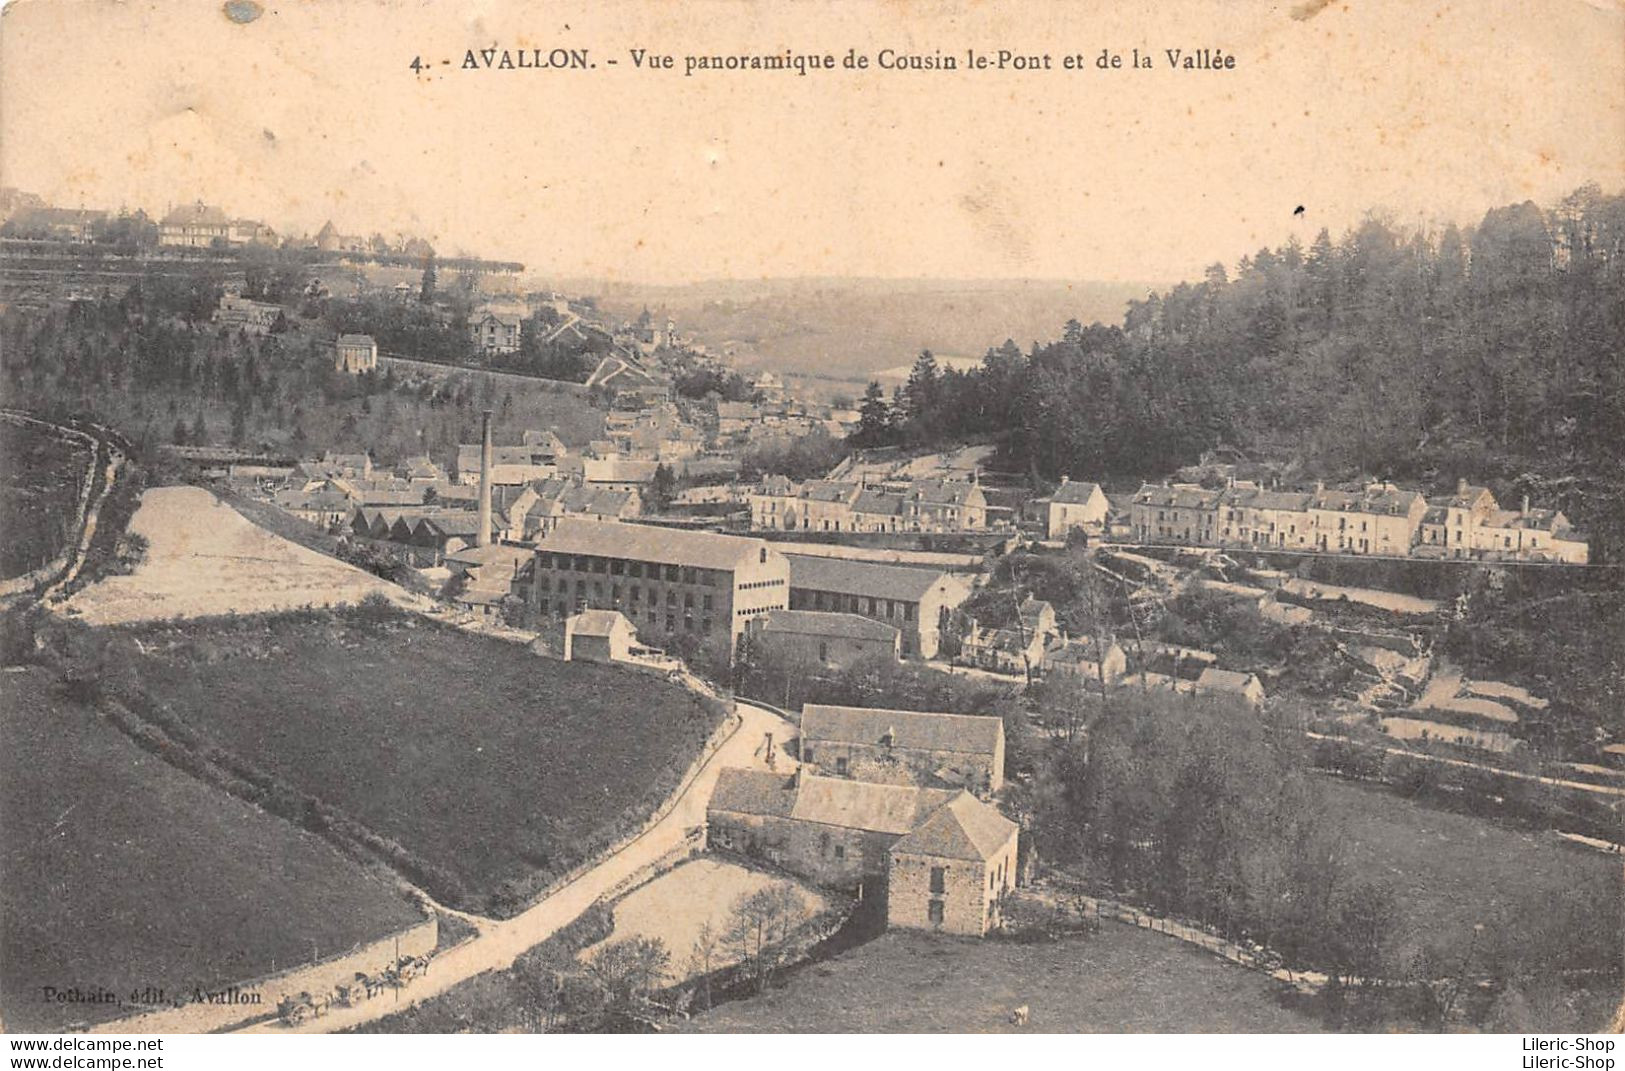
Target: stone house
(952,872)
(1450,522)
(1381,519)
(1076,505)
(1252,516)
(1181,513)
(598,636)
(823,506)
(964,750)
(496,330)
(946,505)
(1080,657)
(825,639)
(917,602)
(846,835)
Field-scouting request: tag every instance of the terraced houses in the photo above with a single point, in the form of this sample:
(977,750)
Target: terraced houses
(1376,519)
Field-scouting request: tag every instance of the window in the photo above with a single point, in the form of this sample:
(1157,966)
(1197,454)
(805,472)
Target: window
(840,851)
(823,844)
(939,879)
(933,911)
(806,754)
(840,765)
(823,651)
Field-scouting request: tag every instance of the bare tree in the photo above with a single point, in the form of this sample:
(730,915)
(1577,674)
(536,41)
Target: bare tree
(762,922)
(702,959)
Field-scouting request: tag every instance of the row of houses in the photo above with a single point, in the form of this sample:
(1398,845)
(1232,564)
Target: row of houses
(1378,518)
(1034,645)
(920,505)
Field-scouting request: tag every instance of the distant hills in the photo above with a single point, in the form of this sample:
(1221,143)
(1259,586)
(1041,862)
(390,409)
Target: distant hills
(855,328)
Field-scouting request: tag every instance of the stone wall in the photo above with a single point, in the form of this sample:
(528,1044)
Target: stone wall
(970,896)
(827,855)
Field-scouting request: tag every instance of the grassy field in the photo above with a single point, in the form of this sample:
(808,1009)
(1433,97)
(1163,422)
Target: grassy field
(1453,871)
(495,768)
(39,489)
(1121,980)
(122,872)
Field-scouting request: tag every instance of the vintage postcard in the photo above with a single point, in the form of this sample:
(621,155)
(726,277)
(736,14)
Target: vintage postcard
(818,517)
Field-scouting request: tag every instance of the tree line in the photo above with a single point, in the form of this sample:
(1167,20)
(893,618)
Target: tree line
(1489,351)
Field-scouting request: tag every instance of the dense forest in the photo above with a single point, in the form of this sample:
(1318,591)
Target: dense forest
(1493,352)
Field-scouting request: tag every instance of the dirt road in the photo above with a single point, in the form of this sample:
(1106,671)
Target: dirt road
(501,942)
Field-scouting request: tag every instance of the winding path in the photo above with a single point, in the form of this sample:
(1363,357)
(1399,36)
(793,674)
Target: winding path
(500,942)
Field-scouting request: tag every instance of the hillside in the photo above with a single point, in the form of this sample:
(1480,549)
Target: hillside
(240,892)
(854,327)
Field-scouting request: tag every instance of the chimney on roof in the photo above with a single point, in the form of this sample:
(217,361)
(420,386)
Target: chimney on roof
(1525,503)
(483,539)
(1461,487)
(1320,487)
(1064,480)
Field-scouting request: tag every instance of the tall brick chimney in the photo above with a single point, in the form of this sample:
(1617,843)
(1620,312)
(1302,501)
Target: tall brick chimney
(483,539)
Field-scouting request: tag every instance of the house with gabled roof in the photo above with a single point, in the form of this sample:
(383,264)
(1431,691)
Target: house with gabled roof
(956,864)
(496,330)
(598,636)
(963,750)
(952,872)
(1076,504)
(1231,684)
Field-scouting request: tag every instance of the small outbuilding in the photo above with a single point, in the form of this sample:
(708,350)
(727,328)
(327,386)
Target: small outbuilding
(598,636)
(1245,686)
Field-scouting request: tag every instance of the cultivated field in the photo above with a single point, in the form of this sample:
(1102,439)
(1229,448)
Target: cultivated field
(1121,980)
(121,872)
(204,559)
(39,494)
(491,767)
(676,905)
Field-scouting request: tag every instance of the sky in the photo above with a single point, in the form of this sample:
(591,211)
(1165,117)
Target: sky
(1427,111)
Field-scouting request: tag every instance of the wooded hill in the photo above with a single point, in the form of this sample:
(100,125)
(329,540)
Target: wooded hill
(1491,352)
